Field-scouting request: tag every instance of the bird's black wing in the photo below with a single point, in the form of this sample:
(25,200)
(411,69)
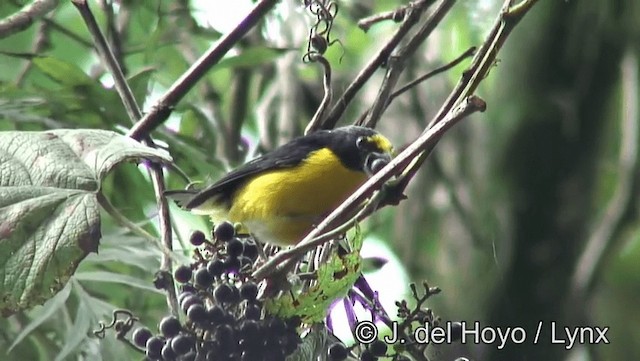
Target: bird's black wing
(286,156)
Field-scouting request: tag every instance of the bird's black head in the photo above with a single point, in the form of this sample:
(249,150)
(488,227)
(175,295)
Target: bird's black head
(359,148)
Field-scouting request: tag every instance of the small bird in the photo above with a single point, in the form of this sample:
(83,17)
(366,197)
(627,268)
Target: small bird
(280,196)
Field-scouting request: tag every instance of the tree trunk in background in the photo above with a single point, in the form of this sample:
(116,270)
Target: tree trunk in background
(567,57)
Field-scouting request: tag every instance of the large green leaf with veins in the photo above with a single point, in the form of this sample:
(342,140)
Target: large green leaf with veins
(49,213)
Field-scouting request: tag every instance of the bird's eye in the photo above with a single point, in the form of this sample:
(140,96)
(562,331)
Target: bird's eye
(362,143)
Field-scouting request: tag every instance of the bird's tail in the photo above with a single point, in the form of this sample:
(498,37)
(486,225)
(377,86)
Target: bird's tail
(181,197)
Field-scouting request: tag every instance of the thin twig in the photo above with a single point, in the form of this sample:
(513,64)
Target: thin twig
(70,34)
(413,16)
(468,53)
(420,79)
(425,141)
(124,221)
(163,107)
(133,110)
(318,117)
(486,55)
(397,62)
(103,48)
(483,60)
(41,43)
(396,15)
(113,31)
(22,19)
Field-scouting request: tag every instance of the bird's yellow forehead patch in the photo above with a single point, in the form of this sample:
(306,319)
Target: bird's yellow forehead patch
(382,143)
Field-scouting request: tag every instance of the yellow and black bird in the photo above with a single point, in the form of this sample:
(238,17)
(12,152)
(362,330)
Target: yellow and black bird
(281,195)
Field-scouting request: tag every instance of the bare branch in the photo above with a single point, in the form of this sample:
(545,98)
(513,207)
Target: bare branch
(486,56)
(413,16)
(482,62)
(112,64)
(163,107)
(133,110)
(26,16)
(318,117)
(398,60)
(396,15)
(425,141)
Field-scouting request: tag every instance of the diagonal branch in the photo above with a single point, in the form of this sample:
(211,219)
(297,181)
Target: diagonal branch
(161,110)
(397,62)
(425,141)
(414,12)
(25,17)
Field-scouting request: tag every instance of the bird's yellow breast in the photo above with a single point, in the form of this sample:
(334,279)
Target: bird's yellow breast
(281,206)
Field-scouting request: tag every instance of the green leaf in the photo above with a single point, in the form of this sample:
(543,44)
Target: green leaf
(62,72)
(49,215)
(251,57)
(335,278)
(139,84)
(48,309)
(103,276)
(133,251)
(78,332)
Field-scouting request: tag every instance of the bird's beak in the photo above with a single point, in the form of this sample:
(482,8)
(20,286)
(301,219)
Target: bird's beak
(375,161)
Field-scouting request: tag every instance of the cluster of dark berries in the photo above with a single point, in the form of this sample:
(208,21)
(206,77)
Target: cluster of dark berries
(372,351)
(224,318)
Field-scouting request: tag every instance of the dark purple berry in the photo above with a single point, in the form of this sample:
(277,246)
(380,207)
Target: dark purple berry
(167,352)
(197,313)
(273,354)
(215,267)
(154,347)
(224,231)
(245,262)
(276,326)
(197,238)
(216,315)
(367,355)
(188,287)
(235,247)
(249,330)
(378,348)
(183,274)
(249,291)
(141,336)
(223,293)
(190,300)
(231,264)
(252,312)
(225,336)
(250,355)
(191,356)
(169,326)
(184,295)
(203,278)
(182,344)
(337,352)
(290,343)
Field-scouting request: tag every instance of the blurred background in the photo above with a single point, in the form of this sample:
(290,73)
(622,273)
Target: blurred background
(525,213)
